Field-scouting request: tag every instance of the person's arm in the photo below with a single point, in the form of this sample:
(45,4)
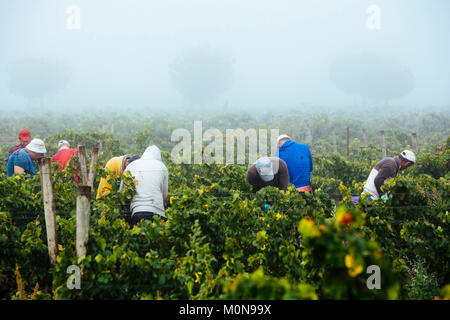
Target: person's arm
(384,173)
(104,187)
(21,164)
(247,177)
(284,175)
(251,178)
(18,170)
(166,185)
(125,172)
(310,160)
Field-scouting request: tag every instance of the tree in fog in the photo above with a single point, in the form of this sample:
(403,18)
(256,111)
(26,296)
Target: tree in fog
(372,77)
(201,75)
(37,78)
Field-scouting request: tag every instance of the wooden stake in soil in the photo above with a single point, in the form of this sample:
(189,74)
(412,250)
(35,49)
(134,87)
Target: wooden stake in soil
(82,160)
(49,208)
(334,140)
(100,145)
(92,166)
(414,141)
(365,139)
(383,144)
(83,216)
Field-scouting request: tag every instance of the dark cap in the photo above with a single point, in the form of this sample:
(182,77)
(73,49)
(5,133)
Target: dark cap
(133,158)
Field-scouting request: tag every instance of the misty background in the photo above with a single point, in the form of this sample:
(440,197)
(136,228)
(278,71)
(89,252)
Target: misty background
(178,55)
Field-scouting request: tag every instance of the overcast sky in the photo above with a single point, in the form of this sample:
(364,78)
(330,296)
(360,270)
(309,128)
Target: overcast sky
(282,50)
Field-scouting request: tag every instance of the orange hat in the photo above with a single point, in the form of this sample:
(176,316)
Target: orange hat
(24,135)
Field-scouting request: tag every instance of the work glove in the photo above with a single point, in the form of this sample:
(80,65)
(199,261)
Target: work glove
(386,196)
(266,207)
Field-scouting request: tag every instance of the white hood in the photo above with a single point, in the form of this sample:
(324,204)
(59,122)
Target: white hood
(152,182)
(152,153)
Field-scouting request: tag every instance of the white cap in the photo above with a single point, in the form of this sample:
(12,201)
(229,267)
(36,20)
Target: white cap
(37,146)
(408,155)
(283,136)
(61,142)
(265,169)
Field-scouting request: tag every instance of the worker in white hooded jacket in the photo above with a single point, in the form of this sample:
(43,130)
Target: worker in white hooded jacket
(152,184)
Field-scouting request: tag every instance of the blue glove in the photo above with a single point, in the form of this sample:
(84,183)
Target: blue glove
(385,197)
(266,207)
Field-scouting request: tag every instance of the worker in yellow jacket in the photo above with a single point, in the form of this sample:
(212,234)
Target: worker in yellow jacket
(114,166)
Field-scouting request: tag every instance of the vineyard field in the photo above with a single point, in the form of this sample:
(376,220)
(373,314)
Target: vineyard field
(219,241)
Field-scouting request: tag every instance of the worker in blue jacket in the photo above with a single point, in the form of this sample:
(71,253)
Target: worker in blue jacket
(299,162)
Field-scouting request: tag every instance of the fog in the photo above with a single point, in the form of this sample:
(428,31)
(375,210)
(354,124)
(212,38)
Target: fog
(222,55)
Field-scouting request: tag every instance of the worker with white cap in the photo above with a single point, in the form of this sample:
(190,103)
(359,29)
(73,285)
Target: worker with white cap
(282,138)
(386,169)
(299,162)
(21,160)
(63,144)
(268,171)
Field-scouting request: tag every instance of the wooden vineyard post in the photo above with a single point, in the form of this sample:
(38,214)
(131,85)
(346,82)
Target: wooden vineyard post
(100,145)
(366,145)
(414,142)
(348,141)
(82,160)
(334,140)
(383,144)
(92,166)
(308,135)
(83,216)
(49,208)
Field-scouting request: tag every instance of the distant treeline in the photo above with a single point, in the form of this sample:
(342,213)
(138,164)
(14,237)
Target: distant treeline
(133,131)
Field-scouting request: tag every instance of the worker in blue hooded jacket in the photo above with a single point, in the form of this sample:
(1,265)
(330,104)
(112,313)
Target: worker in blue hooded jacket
(299,162)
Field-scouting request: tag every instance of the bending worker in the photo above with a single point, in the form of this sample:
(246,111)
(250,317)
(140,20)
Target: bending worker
(152,185)
(386,169)
(21,161)
(268,172)
(64,154)
(299,162)
(115,166)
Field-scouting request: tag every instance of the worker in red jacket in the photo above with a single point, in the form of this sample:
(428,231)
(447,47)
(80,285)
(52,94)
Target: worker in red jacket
(64,154)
